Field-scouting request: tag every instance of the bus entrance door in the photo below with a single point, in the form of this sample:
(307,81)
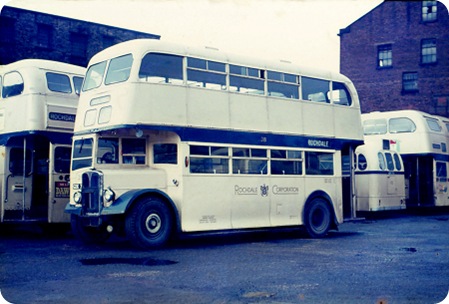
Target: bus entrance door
(18,182)
(59,178)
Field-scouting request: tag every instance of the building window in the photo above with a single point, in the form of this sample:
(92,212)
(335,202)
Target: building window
(428,51)
(441,105)
(429,11)
(410,82)
(384,56)
(44,34)
(78,43)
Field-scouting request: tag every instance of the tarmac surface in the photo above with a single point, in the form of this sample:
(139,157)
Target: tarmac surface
(393,258)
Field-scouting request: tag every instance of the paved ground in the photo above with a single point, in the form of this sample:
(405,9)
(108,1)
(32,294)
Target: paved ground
(393,259)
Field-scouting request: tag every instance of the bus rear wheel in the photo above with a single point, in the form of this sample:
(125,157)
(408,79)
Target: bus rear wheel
(149,223)
(318,218)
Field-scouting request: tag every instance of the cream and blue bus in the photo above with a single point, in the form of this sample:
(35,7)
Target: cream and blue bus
(379,177)
(422,141)
(38,100)
(171,139)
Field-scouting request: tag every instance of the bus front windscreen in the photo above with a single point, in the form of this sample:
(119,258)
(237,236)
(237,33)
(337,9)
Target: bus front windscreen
(82,153)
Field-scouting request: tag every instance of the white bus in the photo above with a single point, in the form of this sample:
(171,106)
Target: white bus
(171,139)
(379,177)
(422,141)
(37,113)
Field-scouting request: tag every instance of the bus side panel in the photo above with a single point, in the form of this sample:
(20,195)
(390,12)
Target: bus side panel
(318,119)
(206,203)
(345,120)
(287,200)
(290,120)
(248,112)
(330,185)
(208,108)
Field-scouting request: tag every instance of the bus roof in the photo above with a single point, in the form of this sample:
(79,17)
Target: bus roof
(43,64)
(140,47)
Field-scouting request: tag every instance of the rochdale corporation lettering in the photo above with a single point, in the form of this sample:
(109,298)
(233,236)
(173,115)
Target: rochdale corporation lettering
(280,190)
(239,190)
(318,143)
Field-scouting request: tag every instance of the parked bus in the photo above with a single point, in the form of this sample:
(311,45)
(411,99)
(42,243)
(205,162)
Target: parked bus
(172,139)
(379,177)
(37,113)
(421,139)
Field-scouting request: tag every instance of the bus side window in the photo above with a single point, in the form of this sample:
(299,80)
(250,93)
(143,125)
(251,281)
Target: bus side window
(340,94)
(161,68)
(16,161)
(382,165)
(134,151)
(62,159)
(206,74)
(107,152)
(441,171)
(389,159)
(165,154)
(361,162)
(319,163)
(58,82)
(397,162)
(315,89)
(286,162)
(12,85)
(246,80)
(77,83)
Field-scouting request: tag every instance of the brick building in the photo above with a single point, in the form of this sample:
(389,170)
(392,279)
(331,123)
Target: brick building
(29,34)
(397,55)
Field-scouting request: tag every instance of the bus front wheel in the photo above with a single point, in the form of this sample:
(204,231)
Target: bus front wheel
(317,218)
(149,223)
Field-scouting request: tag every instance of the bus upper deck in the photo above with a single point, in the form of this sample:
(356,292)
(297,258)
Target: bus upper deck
(38,100)
(225,92)
(38,95)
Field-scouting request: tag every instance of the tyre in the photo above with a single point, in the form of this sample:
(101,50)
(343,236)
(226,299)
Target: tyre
(149,223)
(317,218)
(89,235)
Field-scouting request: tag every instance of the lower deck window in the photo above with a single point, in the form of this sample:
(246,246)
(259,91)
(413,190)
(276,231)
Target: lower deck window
(165,154)
(319,163)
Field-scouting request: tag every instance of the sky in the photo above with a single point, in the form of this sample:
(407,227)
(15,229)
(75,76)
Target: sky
(304,32)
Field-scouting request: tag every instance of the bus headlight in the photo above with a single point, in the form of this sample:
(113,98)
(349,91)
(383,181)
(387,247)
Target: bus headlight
(77,197)
(108,197)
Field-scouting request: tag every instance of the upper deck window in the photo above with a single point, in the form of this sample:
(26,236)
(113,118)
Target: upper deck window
(77,83)
(401,125)
(206,73)
(340,94)
(283,85)
(246,80)
(375,126)
(58,82)
(314,89)
(12,84)
(161,68)
(433,125)
(119,69)
(94,76)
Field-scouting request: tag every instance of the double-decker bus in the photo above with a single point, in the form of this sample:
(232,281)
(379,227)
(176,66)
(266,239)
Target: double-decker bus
(171,139)
(421,140)
(37,114)
(379,177)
